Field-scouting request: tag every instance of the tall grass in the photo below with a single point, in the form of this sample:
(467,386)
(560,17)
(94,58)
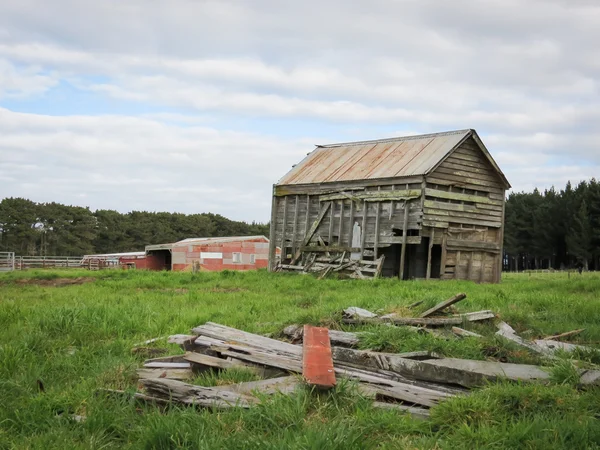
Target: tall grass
(58,345)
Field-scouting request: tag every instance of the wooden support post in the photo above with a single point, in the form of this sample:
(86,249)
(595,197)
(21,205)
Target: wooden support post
(364,230)
(341,228)
(392,204)
(295,228)
(283,251)
(307,219)
(482,273)
(500,257)
(376,244)
(457,264)
(431,238)
(404,240)
(470,266)
(444,254)
(351,224)
(331,218)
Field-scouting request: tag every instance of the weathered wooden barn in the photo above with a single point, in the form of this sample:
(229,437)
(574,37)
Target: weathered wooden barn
(431,205)
(210,254)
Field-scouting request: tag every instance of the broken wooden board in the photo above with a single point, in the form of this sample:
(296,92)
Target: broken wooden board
(172,374)
(459,372)
(167,365)
(218,363)
(465,333)
(336,337)
(507,332)
(185,341)
(232,335)
(429,321)
(189,394)
(317,364)
(282,385)
(563,335)
(171,358)
(445,304)
(358,313)
(554,346)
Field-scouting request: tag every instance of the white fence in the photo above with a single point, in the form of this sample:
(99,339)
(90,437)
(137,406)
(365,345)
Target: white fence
(7,261)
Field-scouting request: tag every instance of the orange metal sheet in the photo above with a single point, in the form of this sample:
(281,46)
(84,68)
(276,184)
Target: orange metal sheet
(386,158)
(375,157)
(317,362)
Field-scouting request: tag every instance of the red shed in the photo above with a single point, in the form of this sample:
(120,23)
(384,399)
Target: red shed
(215,253)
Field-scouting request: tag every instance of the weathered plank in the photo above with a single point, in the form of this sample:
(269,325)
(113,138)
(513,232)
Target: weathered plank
(373,196)
(465,333)
(167,365)
(358,313)
(404,242)
(455,244)
(507,332)
(429,321)
(218,363)
(173,374)
(461,197)
(328,249)
(189,394)
(233,335)
(454,371)
(172,358)
(185,341)
(445,304)
(563,335)
(280,385)
(336,337)
(554,346)
(317,365)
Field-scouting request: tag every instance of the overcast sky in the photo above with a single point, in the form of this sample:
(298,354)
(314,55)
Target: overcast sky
(200,106)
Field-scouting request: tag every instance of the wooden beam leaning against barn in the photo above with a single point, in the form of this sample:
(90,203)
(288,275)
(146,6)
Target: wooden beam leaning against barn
(311,231)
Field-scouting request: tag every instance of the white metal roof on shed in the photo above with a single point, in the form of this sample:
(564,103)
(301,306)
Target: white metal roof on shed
(385,158)
(207,240)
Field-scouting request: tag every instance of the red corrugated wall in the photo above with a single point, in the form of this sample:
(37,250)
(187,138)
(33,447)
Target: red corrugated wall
(184,255)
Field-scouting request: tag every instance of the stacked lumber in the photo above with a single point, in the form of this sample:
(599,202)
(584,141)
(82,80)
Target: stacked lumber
(408,382)
(338,263)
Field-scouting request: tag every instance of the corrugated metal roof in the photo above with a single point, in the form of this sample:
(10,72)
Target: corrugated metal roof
(385,158)
(114,255)
(213,240)
(199,241)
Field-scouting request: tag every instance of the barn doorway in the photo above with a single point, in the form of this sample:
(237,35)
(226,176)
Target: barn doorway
(159,259)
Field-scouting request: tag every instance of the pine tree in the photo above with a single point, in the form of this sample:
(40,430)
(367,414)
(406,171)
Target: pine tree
(579,239)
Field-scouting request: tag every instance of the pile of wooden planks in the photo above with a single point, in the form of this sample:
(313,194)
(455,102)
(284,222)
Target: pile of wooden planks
(318,357)
(343,264)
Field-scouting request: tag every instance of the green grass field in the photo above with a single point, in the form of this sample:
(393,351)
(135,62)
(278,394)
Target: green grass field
(75,339)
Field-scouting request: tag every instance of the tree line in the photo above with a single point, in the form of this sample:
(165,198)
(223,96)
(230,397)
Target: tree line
(550,229)
(30,228)
(553,229)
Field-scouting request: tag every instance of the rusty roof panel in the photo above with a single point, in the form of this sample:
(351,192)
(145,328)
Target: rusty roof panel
(385,158)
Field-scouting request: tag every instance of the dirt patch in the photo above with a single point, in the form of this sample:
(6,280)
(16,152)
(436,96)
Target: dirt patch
(57,282)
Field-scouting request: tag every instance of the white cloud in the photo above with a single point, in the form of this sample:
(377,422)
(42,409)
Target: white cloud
(524,74)
(118,162)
